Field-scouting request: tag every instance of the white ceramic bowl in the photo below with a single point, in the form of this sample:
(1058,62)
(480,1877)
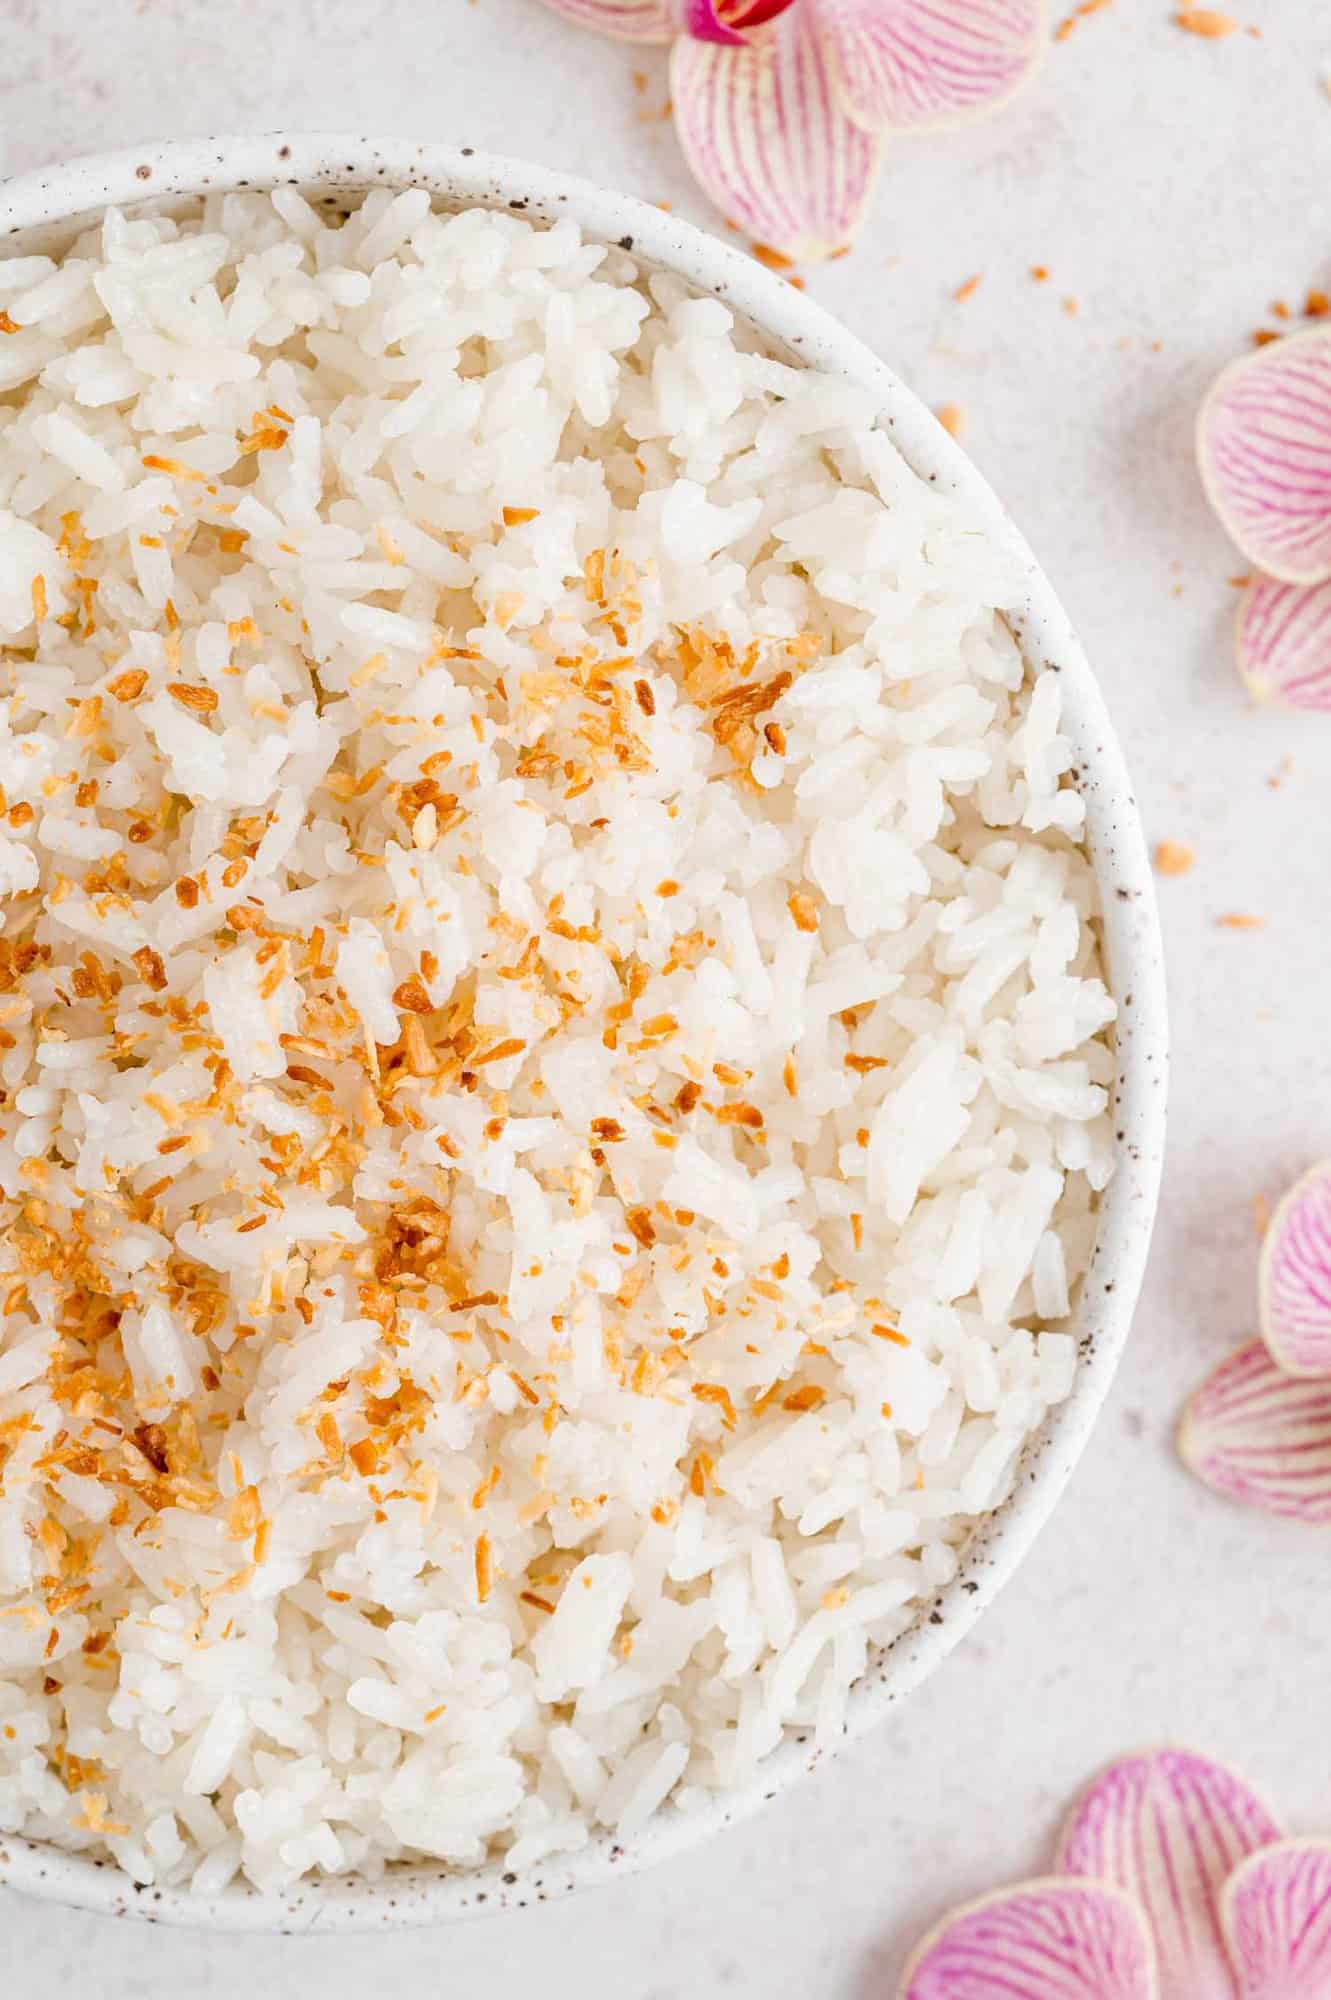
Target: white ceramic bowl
(40,210)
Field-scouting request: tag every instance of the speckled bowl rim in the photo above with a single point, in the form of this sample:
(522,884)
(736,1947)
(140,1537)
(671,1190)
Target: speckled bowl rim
(45,204)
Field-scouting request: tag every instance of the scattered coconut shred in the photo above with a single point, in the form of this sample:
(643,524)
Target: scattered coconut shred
(553,1045)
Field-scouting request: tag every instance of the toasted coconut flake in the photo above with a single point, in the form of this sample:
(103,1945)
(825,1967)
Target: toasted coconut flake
(511,1045)
(174,467)
(1173,858)
(1081,13)
(717,1393)
(1207,22)
(484,1567)
(201,700)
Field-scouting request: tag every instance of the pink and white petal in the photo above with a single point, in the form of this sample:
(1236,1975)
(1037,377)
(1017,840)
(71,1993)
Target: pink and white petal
(1276,1911)
(1284,643)
(627,20)
(752,13)
(1264,449)
(1294,1277)
(1167,1828)
(919,62)
(701,18)
(1262,1437)
(763,130)
(1043,1940)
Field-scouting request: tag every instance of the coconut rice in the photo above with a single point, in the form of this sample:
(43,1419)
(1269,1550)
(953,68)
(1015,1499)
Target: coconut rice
(554,1056)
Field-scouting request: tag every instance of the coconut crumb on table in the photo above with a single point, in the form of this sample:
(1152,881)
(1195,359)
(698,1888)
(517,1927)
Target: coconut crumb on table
(1241,920)
(1080,13)
(1316,305)
(1172,857)
(1207,22)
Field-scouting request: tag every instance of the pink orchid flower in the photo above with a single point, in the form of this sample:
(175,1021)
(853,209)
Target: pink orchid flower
(1264,448)
(1259,1428)
(782,106)
(1172,1882)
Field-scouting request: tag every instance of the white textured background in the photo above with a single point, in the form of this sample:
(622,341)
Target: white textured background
(1174,187)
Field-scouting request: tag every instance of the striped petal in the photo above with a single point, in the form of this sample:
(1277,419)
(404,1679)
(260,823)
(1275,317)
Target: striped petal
(1168,1828)
(1277,1917)
(1262,1437)
(628,20)
(916,62)
(1284,643)
(765,133)
(1264,448)
(1047,1940)
(1294,1277)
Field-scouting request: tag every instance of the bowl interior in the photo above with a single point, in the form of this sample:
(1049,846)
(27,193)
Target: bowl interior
(42,211)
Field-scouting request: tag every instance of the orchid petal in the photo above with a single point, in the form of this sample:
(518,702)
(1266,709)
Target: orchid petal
(1294,1277)
(763,130)
(701,19)
(627,20)
(1046,1940)
(1261,1437)
(1167,1828)
(726,21)
(916,62)
(1284,643)
(1264,448)
(1277,1917)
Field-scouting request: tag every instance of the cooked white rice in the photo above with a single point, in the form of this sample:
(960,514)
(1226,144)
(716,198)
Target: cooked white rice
(553,1050)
